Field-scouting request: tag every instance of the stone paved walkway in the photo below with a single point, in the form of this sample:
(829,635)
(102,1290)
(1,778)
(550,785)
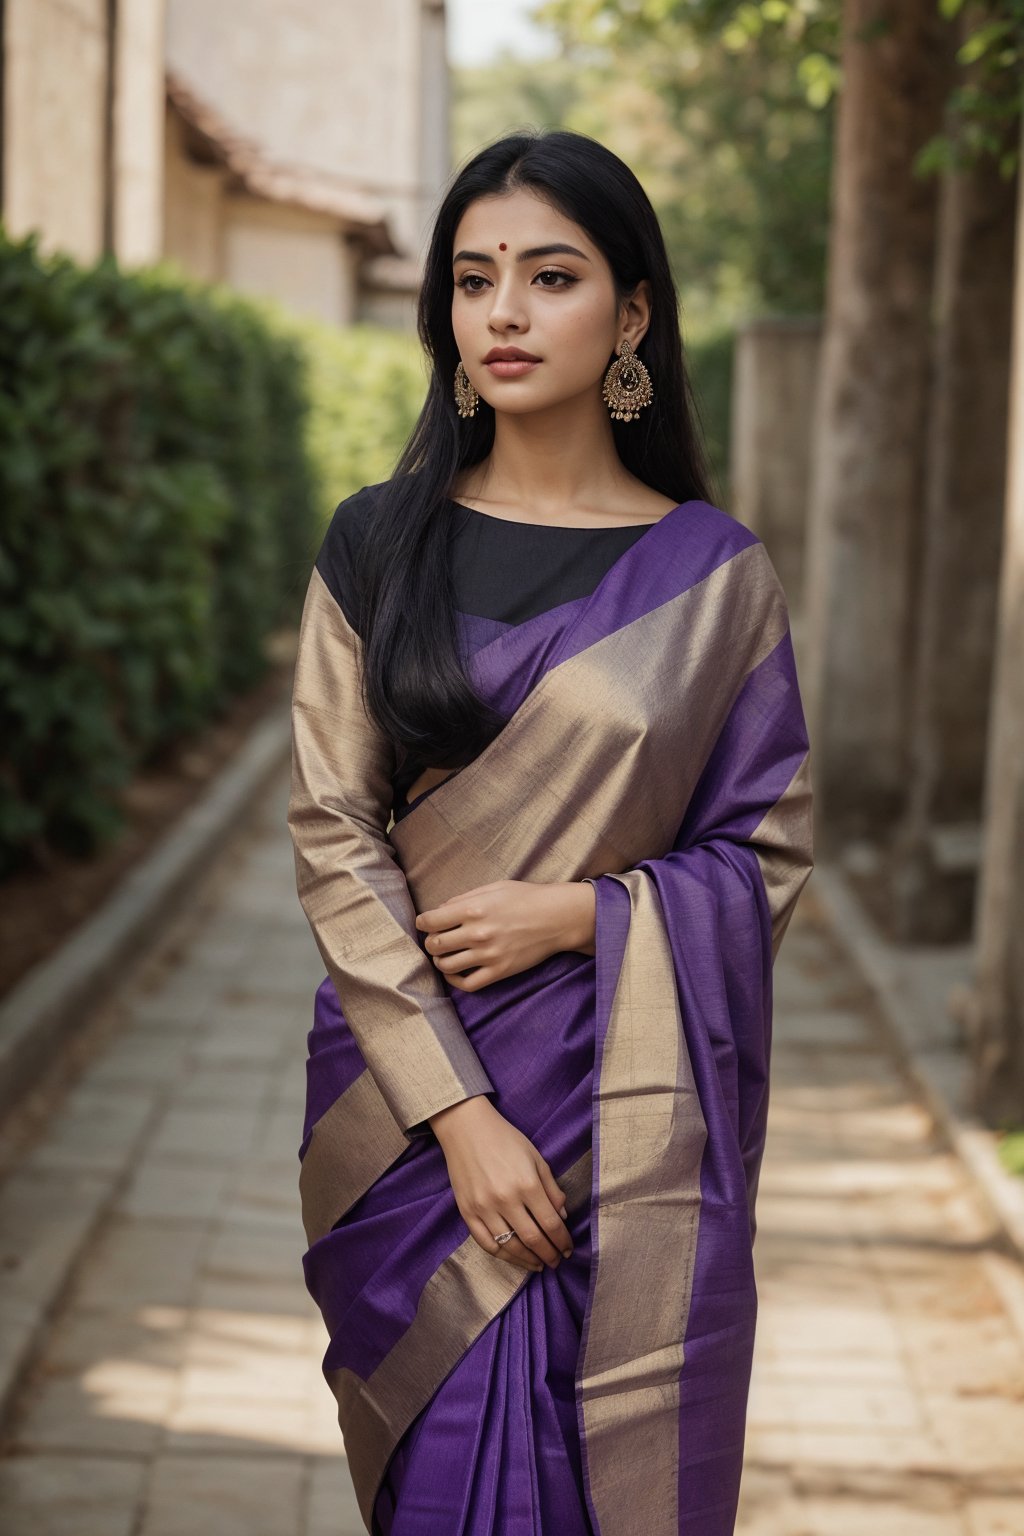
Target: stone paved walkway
(178,1391)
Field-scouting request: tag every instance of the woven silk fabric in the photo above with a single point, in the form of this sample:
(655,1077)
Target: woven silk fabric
(655,746)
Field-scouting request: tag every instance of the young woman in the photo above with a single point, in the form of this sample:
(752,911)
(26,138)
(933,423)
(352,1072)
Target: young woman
(551,812)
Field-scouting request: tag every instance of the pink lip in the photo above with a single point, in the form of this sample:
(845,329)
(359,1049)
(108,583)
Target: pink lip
(510,367)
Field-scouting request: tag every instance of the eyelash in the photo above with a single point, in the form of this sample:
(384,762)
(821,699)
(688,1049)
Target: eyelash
(463,282)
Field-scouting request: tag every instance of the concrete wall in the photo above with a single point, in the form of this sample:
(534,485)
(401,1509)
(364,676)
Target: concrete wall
(55,85)
(356,91)
(56,82)
(139,131)
(774,383)
(296,257)
(193,213)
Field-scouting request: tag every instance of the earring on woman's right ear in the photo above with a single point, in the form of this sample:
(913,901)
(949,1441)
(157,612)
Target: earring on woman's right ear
(466,397)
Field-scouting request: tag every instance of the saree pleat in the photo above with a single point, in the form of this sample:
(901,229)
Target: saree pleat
(608,1395)
(497,1449)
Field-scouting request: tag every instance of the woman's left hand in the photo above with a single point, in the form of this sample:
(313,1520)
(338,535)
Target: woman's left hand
(503,928)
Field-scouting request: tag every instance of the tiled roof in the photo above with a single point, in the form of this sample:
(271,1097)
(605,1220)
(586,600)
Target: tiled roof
(211,140)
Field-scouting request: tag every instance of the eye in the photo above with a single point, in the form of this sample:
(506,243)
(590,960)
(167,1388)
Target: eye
(475,277)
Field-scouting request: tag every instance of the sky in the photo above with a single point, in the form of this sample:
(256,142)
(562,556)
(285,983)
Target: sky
(477,29)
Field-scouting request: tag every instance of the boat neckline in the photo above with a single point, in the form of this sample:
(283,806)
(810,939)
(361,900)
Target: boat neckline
(560,527)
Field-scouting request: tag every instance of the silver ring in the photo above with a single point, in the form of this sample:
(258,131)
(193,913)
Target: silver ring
(503,1237)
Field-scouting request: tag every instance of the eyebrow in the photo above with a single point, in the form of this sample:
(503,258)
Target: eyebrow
(527,255)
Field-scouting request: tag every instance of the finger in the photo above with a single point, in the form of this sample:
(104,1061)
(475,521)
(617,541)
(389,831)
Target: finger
(479,978)
(481,1231)
(534,1237)
(554,1207)
(454,959)
(515,1252)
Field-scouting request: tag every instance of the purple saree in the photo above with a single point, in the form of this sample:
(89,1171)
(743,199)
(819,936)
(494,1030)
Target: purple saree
(655,745)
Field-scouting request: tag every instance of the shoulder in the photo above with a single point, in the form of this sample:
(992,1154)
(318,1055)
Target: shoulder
(719,535)
(716,540)
(338,557)
(752,565)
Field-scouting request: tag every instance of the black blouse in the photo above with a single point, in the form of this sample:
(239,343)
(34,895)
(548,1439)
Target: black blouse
(503,570)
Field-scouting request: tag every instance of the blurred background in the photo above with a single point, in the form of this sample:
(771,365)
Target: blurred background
(212,223)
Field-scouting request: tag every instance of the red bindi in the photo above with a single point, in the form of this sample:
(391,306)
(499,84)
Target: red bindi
(502,246)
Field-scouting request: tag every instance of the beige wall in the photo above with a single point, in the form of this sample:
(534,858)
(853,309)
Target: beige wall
(55,83)
(299,258)
(193,217)
(774,386)
(54,128)
(138,132)
(355,90)
(221,234)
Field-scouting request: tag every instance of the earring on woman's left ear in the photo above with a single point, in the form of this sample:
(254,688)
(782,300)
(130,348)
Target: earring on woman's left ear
(466,397)
(627,385)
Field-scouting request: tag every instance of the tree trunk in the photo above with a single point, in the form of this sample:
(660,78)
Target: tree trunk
(937,864)
(995,1011)
(868,458)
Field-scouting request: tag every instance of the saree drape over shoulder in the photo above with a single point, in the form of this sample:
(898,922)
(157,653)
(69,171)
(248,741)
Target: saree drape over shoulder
(654,746)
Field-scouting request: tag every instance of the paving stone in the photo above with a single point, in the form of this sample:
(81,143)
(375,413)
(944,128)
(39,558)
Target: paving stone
(232,1086)
(206,1132)
(43,1216)
(831,1029)
(257,1423)
(138,1262)
(111,1410)
(841,1450)
(95,1125)
(216,1333)
(996,1516)
(845,1516)
(333,1510)
(230,1495)
(983,1434)
(255,1296)
(172,1188)
(273,1197)
(151,1339)
(144,1060)
(248,1250)
(220,1049)
(856,1406)
(57,1495)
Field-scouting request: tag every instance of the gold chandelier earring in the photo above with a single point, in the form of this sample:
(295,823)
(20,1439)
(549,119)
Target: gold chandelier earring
(466,397)
(627,385)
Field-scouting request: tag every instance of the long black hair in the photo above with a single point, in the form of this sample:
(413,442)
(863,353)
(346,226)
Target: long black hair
(414,681)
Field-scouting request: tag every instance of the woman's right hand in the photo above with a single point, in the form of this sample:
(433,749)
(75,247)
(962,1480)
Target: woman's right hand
(501,1183)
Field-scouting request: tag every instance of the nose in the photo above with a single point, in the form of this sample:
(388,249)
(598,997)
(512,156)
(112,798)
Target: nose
(507,308)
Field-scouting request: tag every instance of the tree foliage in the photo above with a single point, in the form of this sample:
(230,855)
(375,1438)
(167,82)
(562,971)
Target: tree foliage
(985,104)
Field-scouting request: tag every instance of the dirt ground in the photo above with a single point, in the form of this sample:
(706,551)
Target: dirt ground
(40,908)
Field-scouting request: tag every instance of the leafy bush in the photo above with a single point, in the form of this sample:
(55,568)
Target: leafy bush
(366,388)
(157,518)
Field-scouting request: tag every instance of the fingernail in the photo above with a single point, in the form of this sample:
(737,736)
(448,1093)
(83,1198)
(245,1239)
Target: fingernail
(566,1253)
(563,1212)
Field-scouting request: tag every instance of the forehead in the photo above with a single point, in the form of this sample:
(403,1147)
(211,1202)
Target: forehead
(519,219)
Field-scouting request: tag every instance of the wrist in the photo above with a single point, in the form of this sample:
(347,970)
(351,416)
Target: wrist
(581,910)
(461,1113)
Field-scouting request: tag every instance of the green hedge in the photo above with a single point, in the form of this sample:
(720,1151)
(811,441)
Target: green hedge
(367,386)
(158,517)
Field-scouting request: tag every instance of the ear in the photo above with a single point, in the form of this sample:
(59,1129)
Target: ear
(636,312)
